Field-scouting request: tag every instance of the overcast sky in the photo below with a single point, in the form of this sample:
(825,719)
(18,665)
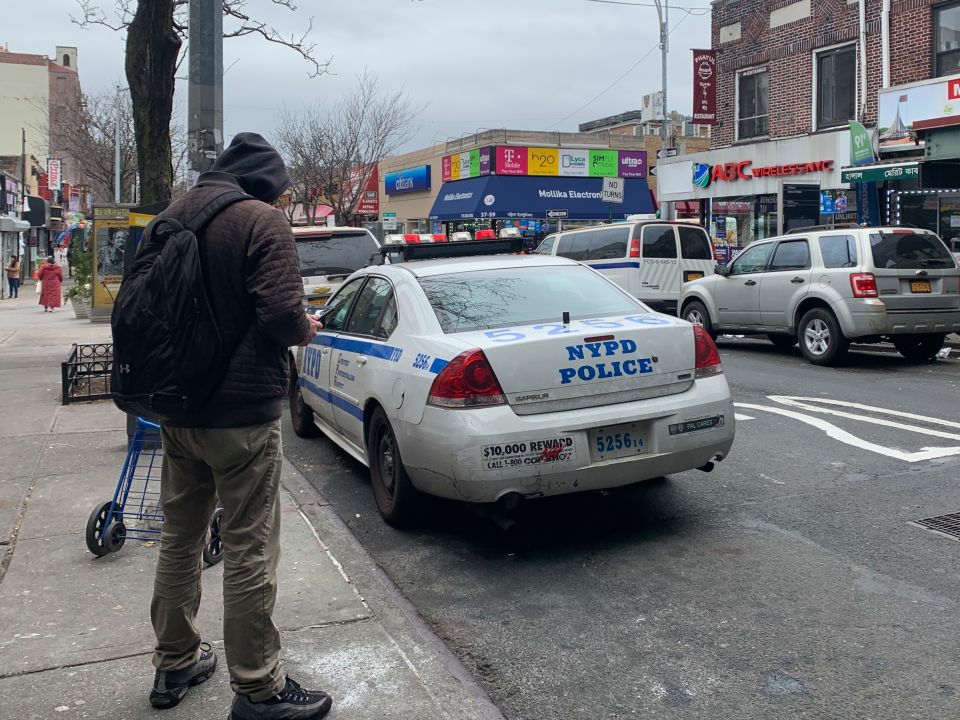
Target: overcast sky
(473,64)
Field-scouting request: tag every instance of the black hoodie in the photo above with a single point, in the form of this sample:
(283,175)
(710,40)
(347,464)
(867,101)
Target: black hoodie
(252,273)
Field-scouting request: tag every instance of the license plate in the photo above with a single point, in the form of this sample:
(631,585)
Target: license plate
(920,286)
(617,441)
(317,301)
(692,275)
(697,425)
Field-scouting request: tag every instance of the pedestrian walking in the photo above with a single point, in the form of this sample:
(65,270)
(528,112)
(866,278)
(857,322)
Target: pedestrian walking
(50,277)
(13,276)
(231,448)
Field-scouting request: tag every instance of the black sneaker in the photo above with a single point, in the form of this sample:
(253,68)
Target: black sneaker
(292,703)
(170,687)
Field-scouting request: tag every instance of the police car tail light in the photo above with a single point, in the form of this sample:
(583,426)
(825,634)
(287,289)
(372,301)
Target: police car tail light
(635,248)
(467,381)
(864,285)
(708,357)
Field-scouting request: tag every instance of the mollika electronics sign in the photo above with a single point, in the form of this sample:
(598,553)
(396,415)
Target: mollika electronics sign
(704,175)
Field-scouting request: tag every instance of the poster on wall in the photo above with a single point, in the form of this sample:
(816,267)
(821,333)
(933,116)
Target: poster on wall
(905,110)
(111,227)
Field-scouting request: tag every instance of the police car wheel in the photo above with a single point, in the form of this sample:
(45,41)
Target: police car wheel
(301,416)
(397,500)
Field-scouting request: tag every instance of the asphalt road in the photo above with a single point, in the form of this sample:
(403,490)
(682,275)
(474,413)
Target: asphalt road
(788,583)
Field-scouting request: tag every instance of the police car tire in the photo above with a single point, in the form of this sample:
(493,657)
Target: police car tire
(301,416)
(400,505)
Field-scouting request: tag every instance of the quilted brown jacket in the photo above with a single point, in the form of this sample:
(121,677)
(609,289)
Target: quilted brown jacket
(253,282)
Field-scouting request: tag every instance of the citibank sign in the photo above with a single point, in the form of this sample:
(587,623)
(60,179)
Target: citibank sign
(704,175)
(415,179)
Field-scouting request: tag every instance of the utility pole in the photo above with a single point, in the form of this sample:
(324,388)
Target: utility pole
(25,270)
(116,151)
(663,14)
(205,96)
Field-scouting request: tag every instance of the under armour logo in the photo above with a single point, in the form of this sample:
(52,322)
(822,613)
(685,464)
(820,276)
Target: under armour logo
(124,369)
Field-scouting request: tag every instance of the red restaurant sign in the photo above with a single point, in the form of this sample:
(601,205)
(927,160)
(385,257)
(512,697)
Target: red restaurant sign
(705,87)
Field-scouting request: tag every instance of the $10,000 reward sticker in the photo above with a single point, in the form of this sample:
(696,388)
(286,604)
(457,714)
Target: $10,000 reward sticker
(528,453)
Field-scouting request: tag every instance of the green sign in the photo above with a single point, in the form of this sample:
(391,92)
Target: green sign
(861,146)
(389,215)
(474,163)
(879,173)
(603,163)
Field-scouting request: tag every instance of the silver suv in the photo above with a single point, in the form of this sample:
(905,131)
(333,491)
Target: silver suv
(826,288)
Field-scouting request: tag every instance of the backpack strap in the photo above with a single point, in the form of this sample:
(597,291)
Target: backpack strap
(213,208)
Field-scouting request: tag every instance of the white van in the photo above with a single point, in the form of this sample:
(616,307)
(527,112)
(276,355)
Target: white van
(650,259)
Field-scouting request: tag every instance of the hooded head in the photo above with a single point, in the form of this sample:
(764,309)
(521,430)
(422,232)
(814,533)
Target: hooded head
(256,164)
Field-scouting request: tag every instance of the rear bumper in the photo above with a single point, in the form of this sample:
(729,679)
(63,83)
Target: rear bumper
(445,453)
(866,317)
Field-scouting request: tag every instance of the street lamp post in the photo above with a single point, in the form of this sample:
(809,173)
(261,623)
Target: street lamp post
(663,15)
(116,149)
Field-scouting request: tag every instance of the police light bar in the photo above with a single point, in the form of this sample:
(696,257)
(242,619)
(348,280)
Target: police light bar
(461,236)
(393,240)
(434,251)
(510,232)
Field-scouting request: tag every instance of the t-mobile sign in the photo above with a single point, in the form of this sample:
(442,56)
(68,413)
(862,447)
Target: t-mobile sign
(511,160)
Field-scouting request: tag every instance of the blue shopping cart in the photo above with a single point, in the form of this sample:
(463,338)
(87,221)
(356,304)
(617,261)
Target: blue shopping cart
(135,511)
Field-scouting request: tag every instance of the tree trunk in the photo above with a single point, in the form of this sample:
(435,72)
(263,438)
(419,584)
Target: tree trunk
(151,63)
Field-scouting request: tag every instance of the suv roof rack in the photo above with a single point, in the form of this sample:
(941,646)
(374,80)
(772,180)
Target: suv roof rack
(465,248)
(816,228)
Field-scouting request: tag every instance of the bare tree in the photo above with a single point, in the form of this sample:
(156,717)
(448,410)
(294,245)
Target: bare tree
(156,30)
(332,150)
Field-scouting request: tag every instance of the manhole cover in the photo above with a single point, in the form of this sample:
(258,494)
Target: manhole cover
(946,525)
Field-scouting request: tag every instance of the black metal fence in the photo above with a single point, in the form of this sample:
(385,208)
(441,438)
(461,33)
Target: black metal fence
(85,375)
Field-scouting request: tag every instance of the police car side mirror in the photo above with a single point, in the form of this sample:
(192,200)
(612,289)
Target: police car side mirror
(723,270)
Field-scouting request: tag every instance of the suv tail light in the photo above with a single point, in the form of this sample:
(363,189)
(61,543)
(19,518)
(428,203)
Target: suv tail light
(708,357)
(467,381)
(864,285)
(635,248)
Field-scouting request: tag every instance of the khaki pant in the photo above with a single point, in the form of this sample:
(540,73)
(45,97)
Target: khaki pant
(242,467)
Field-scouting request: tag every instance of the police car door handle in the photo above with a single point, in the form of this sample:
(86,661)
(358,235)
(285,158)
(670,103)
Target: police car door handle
(324,351)
(361,359)
(797,280)
(750,282)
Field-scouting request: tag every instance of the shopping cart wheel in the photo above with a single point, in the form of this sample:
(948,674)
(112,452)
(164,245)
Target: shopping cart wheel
(213,550)
(116,535)
(98,542)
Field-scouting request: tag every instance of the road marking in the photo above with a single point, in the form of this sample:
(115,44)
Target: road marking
(841,435)
(741,416)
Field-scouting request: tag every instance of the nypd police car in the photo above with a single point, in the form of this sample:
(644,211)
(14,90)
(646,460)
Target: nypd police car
(483,378)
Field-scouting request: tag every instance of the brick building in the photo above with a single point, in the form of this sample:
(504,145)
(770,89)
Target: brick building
(791,75)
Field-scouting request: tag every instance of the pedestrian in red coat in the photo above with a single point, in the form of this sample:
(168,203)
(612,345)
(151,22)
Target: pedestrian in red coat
(50,276)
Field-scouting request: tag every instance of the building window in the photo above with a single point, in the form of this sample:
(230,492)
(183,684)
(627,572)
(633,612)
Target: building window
(752,103)
(947,23)
(836,86)
(66,61)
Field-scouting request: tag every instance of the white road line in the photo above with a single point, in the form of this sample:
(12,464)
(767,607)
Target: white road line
(741,416)
(799,402)
(847,438)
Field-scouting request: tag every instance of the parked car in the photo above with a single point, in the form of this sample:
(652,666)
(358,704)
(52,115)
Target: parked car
(650,259)
(826,288)
(501,377)
(329,254)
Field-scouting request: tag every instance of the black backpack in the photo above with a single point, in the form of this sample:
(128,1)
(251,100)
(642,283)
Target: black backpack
(168,354)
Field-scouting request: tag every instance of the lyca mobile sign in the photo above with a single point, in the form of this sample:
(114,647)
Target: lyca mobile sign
(415,179)
(704,174)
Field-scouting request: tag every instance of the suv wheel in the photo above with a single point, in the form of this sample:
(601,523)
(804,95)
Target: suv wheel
(696,313)
(821,340)
(919,348)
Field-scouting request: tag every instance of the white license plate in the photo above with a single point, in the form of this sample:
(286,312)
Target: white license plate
(617,441)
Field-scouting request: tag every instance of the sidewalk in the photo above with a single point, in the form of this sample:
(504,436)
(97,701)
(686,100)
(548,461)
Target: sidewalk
(75,635)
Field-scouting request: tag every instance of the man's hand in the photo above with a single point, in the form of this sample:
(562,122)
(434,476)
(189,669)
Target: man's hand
(315,327)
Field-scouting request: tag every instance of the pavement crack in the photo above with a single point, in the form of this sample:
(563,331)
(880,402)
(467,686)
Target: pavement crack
(65,666)
(11,548)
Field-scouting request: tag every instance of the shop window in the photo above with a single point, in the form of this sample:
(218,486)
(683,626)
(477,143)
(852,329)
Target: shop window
(838,251)
(659,241)
(694,244)
(791,255)
(609,243)
(836,86)
(946,21)
(752,103)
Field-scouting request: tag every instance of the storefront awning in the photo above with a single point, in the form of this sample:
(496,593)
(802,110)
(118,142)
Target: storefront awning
(879,173)
(9,224)
(505,197)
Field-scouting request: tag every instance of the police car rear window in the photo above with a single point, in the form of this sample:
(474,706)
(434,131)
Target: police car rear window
(487,299)
(341,253)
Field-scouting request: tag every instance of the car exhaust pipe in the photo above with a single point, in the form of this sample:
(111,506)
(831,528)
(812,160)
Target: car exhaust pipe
(706,468)
(504,511)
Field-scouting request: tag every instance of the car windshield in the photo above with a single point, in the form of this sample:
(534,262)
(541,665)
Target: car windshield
(908,251)
(337,254)
(510,297)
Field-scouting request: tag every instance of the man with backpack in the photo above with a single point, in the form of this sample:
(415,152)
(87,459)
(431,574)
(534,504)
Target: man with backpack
(202,326)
